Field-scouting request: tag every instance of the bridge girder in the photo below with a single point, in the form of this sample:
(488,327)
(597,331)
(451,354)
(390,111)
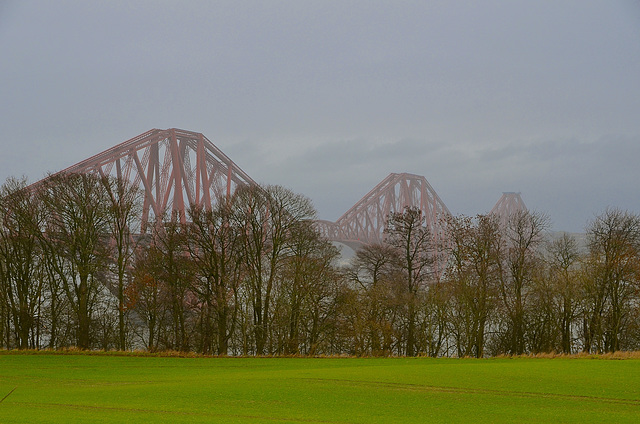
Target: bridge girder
(177,168)
(365,222)
(174,169)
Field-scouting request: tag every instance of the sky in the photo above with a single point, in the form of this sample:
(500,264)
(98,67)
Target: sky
(329,97)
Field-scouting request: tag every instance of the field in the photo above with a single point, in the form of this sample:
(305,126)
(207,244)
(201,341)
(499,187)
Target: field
(115,389)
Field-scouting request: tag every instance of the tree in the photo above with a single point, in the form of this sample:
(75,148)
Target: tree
(564,260)
(125,205)
(22,217)
(266,217)
(475,249)
(175,268)
(408,235)
(75,241)
(214,246)
(305,283)
(524,236)
(148,296)
(543,331)
(611,286)
(373,272)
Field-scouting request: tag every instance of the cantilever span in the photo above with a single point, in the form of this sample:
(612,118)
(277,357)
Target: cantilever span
(173,168)
(365,222)
(176,168)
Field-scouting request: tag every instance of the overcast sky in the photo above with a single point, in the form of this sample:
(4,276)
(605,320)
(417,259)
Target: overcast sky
(329,97)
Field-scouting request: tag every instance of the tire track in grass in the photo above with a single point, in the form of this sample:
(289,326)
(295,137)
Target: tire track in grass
(465,390)
(8,394)
(178,413)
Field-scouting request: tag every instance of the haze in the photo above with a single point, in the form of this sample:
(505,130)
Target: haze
(327,98)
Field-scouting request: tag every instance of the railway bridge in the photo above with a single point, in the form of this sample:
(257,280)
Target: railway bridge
(176,168)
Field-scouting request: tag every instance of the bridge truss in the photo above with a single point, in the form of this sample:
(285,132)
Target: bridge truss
(173,168)
(365,222)
(176,168)
(509,203)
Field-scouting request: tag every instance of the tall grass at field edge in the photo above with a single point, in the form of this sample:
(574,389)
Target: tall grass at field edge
(620,355)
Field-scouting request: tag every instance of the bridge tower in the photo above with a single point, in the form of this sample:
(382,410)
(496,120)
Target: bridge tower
(365,222)
(173,168)
(507,205)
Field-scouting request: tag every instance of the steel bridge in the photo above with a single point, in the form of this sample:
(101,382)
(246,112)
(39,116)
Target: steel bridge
(365,222)
(176,168)
(173,168)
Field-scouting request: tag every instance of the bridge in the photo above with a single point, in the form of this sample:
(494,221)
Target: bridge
(173,168)
(364,223)
(176,168)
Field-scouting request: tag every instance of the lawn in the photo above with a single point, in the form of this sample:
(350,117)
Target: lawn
(116,389)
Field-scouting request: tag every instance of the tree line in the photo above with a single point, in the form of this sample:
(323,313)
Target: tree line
(252,276)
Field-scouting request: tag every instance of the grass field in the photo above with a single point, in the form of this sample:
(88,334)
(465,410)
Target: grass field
(117,389)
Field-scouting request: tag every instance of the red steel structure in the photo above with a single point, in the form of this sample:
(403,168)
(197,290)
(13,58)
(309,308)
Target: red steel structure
(365,222)
(507,205)
(173,168)
(176,168)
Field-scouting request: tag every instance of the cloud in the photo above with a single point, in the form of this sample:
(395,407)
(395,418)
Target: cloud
(569,179)
(329,98)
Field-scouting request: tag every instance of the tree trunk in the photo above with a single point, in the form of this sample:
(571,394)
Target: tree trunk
(83,314)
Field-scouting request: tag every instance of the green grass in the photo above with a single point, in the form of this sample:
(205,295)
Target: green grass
(119,389)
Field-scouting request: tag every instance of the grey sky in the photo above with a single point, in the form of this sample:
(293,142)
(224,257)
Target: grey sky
(329,97)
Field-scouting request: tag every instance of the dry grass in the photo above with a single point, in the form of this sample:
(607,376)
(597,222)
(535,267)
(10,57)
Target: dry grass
(620,355)
(132,353)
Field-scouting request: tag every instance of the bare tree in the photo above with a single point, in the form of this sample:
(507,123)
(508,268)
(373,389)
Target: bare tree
(22,217)
(125,205)
(564,261)
(407,234)
(148,296)
(524,236)
(304,283)
(76,240)
(612,281)
(266,217)
(176,269)
(374,273)
(214,246)
(475,248)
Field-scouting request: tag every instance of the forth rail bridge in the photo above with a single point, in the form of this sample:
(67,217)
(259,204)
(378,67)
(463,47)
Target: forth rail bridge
(176,168)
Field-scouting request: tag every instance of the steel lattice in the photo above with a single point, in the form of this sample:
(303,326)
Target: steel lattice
(365,222)
(173,168)
(176,168)
(507,205)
